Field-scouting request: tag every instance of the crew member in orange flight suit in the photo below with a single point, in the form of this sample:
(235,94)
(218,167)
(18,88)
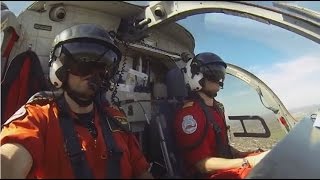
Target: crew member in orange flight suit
(200,128)
(34,141)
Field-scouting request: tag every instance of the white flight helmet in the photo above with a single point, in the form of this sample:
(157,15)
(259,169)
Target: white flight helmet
(82,43)
(207,65)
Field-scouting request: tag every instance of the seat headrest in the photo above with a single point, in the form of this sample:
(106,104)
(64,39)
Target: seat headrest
(176,86)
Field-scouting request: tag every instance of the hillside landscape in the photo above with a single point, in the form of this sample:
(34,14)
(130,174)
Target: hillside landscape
(250,143)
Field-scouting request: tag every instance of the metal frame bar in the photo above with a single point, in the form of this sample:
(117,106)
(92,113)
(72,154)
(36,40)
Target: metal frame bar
(162,12)
(271,98)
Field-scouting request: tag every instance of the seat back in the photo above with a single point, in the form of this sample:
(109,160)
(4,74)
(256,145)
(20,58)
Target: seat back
(161,151)
(23,78)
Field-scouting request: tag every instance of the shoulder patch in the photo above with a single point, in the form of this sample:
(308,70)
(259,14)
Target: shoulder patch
(43,97)
(18,114)
(119,118)
(122,119)
(189,124)
(40,100)
(114,107)
(114,111)
(220,106)
(188,104)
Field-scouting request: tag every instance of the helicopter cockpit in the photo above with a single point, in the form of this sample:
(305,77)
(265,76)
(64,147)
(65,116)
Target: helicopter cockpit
(149,85)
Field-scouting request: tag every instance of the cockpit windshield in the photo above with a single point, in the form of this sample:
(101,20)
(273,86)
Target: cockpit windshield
(275,55)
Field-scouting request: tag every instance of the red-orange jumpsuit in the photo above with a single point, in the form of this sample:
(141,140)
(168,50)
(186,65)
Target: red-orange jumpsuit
(36,127)
(189,126)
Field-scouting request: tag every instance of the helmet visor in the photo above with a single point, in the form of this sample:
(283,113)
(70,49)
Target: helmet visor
(86,68)
(82,52)
(213,72)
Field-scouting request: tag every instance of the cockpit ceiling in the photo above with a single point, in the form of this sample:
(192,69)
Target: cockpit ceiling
(179,32)
(123,10)
(116,8)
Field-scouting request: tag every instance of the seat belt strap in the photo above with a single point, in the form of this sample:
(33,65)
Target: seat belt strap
(76,155)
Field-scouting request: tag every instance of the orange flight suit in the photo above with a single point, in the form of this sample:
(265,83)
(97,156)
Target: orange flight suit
(36,127)
(189,126)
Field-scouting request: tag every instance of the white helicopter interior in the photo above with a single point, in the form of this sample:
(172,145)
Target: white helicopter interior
(150,85)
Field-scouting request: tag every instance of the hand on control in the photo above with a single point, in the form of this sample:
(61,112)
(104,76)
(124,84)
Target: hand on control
(254,160)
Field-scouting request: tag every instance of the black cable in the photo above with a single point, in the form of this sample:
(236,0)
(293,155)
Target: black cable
(114,99)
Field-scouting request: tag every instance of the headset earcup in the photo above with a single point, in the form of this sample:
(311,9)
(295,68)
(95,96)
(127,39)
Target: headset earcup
(57,73)
(195,69)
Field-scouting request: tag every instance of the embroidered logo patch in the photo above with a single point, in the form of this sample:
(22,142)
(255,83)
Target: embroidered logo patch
(189,124)
(122,120)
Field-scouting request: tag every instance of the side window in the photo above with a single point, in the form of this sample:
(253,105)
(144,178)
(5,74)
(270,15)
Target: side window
(241,101)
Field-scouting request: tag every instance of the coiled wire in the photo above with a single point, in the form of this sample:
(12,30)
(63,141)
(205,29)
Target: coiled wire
(114,98)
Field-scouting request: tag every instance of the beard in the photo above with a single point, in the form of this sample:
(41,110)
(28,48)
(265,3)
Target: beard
(87,97)
(94,84)
(80,98)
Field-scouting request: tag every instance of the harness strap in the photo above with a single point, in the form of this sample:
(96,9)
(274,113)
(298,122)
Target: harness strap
(217,129)
(199,141)
(77,156)
(225,123)
(209,116)
(223,149)
(114,153)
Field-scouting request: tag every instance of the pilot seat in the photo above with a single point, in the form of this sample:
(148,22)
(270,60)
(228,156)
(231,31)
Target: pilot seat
(158,140)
